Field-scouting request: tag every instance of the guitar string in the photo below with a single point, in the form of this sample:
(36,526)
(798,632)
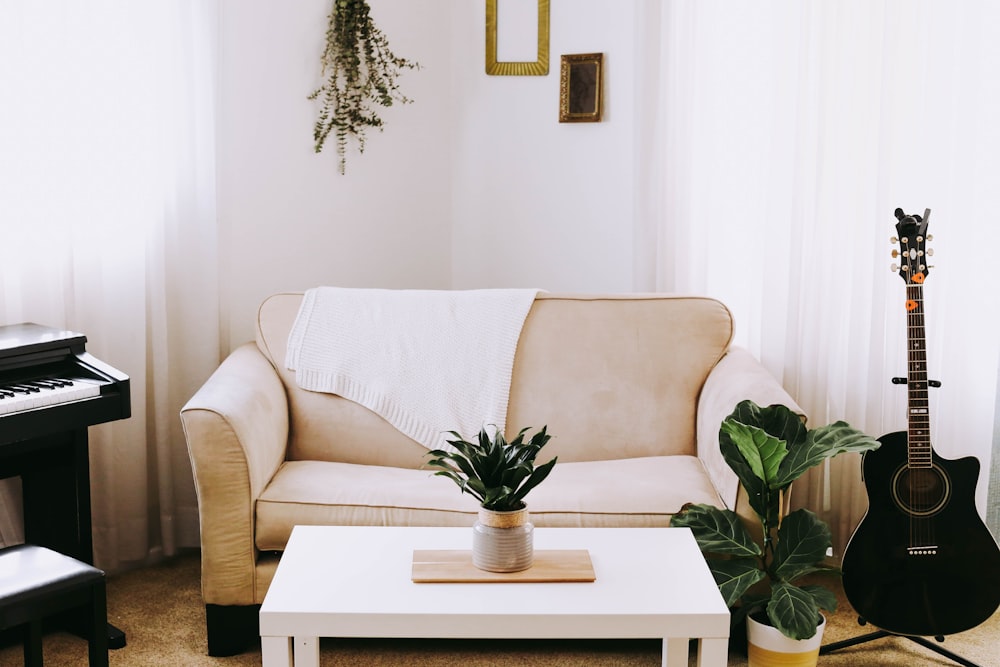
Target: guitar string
(919,462)
(912,472)
(916,454)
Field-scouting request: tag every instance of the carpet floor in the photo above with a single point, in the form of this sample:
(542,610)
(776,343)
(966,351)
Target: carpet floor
(160,610)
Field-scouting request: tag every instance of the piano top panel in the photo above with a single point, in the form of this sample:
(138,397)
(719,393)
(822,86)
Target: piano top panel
(30,338)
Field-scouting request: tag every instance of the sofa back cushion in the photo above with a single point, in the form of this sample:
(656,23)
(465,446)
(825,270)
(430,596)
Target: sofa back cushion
(612,376)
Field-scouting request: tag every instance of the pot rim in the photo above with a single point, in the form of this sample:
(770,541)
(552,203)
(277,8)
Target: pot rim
(771,638)
(505,519)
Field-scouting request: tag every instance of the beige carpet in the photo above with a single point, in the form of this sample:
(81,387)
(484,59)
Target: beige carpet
(161,612)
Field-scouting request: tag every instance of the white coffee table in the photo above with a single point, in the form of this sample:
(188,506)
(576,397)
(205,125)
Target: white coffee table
(354,581)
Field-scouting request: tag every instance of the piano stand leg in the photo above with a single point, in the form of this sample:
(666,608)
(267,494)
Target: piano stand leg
(55,489)
(116,638)
(76,625)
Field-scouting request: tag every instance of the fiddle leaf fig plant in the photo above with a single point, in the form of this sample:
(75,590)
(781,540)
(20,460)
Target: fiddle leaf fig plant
(498,473)
(768,449)
(360,73)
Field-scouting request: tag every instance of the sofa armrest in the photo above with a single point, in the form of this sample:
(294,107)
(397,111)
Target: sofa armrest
(738,376)
(236,427)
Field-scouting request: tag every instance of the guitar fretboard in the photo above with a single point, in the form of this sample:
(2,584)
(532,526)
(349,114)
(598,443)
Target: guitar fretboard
(919,440)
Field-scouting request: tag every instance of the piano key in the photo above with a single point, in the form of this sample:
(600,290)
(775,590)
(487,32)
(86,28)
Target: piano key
(20,396)
(29,395)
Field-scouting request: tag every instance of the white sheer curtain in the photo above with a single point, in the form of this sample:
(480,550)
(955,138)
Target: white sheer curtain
(776,139)
(108,216)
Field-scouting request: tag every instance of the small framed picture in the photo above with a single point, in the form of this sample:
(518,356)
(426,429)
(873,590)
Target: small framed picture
(581,88)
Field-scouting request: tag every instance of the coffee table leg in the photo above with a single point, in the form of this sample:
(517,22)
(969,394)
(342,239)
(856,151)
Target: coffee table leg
(713,652)
(276,651)
(306,651)
(675,652)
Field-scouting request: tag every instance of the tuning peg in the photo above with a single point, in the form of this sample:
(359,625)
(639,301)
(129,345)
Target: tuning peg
(893,239)
(894,267)
(930,237)
(930,252)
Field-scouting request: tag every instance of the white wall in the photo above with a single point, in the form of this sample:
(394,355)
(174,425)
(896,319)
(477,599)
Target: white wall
(538,203)
(475,184)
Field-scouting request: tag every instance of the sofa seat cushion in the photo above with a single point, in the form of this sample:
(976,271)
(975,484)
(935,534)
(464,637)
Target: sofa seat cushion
(637,492)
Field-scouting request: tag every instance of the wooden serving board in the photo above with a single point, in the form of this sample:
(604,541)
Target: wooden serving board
(455,566)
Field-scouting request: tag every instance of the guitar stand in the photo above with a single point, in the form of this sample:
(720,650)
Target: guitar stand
(923,641)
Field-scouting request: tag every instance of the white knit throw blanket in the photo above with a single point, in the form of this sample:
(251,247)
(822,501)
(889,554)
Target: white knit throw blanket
(426,361)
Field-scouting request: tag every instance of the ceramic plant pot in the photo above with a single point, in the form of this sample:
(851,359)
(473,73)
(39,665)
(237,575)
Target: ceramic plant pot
(767,647)
(502,541)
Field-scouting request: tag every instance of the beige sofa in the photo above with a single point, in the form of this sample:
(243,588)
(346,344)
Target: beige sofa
(632,387)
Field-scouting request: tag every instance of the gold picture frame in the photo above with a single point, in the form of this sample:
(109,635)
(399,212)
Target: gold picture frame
(581,88)
(540,67)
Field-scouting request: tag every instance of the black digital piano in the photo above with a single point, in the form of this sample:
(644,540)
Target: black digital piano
(51,391)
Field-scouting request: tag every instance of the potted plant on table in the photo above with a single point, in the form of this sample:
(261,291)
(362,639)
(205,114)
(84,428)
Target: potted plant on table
(757,565)
(499,474)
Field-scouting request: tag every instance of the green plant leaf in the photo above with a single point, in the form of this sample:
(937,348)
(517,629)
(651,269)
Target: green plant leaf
(824,597)
(801,546)
(762,451)
(539,474)
(465,452)
(492,470)
(778,420)
(515,474)
(735,576)
(459,479)
(731,453)
(755,488)
(717,531)
(451,461)
(477,488)
(497,498)
(540,438)
(793,611)
(755,456)
(822,443)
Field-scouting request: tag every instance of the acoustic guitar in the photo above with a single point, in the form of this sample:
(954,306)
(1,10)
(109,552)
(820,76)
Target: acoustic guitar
(921,562)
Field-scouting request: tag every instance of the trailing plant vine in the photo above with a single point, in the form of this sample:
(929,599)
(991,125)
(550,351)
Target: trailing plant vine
(360,73)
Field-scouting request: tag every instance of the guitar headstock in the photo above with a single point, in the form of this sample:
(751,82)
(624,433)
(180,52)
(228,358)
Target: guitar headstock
(913,251)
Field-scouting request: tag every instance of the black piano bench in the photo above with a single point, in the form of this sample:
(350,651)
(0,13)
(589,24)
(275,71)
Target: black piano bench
(37,583)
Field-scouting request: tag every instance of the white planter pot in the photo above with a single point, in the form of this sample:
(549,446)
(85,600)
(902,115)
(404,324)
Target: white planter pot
(503,541)
(767,647)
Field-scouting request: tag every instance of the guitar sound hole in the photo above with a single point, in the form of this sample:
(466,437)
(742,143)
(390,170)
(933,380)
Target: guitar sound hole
(921,491)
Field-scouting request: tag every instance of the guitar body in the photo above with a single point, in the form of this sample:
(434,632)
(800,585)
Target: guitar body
(921,562)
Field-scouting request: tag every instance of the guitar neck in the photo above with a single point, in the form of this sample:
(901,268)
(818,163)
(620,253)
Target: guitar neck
(918,414)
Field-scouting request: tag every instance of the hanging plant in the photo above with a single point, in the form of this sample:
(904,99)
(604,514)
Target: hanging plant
(359,73)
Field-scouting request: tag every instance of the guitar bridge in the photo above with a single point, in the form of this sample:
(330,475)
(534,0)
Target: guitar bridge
(930,550)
